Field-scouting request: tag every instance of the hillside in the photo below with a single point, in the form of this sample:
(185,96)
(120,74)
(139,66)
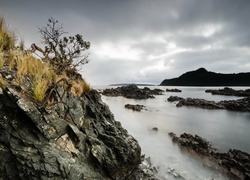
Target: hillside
(202,77)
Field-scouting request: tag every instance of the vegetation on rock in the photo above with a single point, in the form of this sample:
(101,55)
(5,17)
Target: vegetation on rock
(36,77)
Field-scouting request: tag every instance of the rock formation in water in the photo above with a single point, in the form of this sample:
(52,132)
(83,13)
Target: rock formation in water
(136,107)
(229,92)
(132,92)
(202,77)
(234,163)
(234,105)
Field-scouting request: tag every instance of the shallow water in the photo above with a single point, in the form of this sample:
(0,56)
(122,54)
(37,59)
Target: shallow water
(224,129)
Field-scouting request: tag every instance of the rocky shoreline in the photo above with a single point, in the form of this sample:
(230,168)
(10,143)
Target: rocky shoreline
(132,92)
(234,105)
(77,139)
(235,163)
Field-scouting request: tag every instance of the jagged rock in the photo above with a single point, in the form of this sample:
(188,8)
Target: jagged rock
(173,90)
(229,92)
(76,139)
(201,103)
(175,98)
(234,163)
(235,105)
(136,107)
(132,92)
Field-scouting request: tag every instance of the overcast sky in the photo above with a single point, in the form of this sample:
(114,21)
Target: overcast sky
(144,41)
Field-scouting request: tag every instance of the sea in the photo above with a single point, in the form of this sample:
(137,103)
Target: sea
(223,128)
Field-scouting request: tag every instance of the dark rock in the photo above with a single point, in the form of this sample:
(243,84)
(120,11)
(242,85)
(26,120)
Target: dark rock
(175,98)
(234,163)
(132,92)
(155,129)
(201,103)
(77,139)
(136,107)
(229,92)
(235,105)
(173,90)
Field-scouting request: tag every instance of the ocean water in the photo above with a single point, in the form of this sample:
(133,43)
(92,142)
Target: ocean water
(224,129)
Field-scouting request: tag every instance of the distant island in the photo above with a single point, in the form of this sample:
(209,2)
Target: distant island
(202,77)
(127,84)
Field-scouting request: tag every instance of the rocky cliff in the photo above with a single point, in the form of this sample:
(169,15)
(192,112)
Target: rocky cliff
(77,138)
(202,77)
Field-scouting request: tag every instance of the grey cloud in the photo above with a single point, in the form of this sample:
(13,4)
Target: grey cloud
(213,34)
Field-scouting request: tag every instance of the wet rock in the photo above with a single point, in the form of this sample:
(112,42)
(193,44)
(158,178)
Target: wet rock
(201,103)
(154,129)
(136,107)
(173,90)
(234,163)
(174,98)
(235,105)
(77,139)
(132,92)
(229,92)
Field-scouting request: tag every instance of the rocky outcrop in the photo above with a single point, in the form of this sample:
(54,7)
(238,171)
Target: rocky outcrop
(174,98)
(136,107)
(234,163)
(202,77)
(235,105)
(200,103)
(74,139)
(229,92)
(173,90)
(132,92)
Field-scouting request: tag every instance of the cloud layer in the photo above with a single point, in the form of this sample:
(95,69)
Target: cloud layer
(145,41)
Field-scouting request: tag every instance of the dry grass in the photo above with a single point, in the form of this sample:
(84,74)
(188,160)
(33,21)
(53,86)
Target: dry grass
(79,87)
(39,89)
(7,38)
(2,61)
(30,69)
(2,83)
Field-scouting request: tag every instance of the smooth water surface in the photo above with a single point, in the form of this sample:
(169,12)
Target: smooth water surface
(224,129)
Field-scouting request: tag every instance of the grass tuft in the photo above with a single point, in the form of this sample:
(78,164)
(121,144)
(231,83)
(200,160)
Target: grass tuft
(32,74)
(79,87)
(2,61)
(2,83)
(7,38)
(39,89)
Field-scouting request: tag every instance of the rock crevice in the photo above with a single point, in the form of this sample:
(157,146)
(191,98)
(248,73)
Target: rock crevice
(75,139)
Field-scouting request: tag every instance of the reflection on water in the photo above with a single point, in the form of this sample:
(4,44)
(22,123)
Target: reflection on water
(224,129)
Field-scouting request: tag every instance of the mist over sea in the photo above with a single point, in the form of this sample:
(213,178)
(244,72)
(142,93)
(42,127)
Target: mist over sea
(224,129)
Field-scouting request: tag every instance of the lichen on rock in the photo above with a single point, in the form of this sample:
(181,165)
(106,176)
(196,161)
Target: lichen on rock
(75,139)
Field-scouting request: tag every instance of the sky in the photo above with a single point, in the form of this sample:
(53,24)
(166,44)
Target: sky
(144,41)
